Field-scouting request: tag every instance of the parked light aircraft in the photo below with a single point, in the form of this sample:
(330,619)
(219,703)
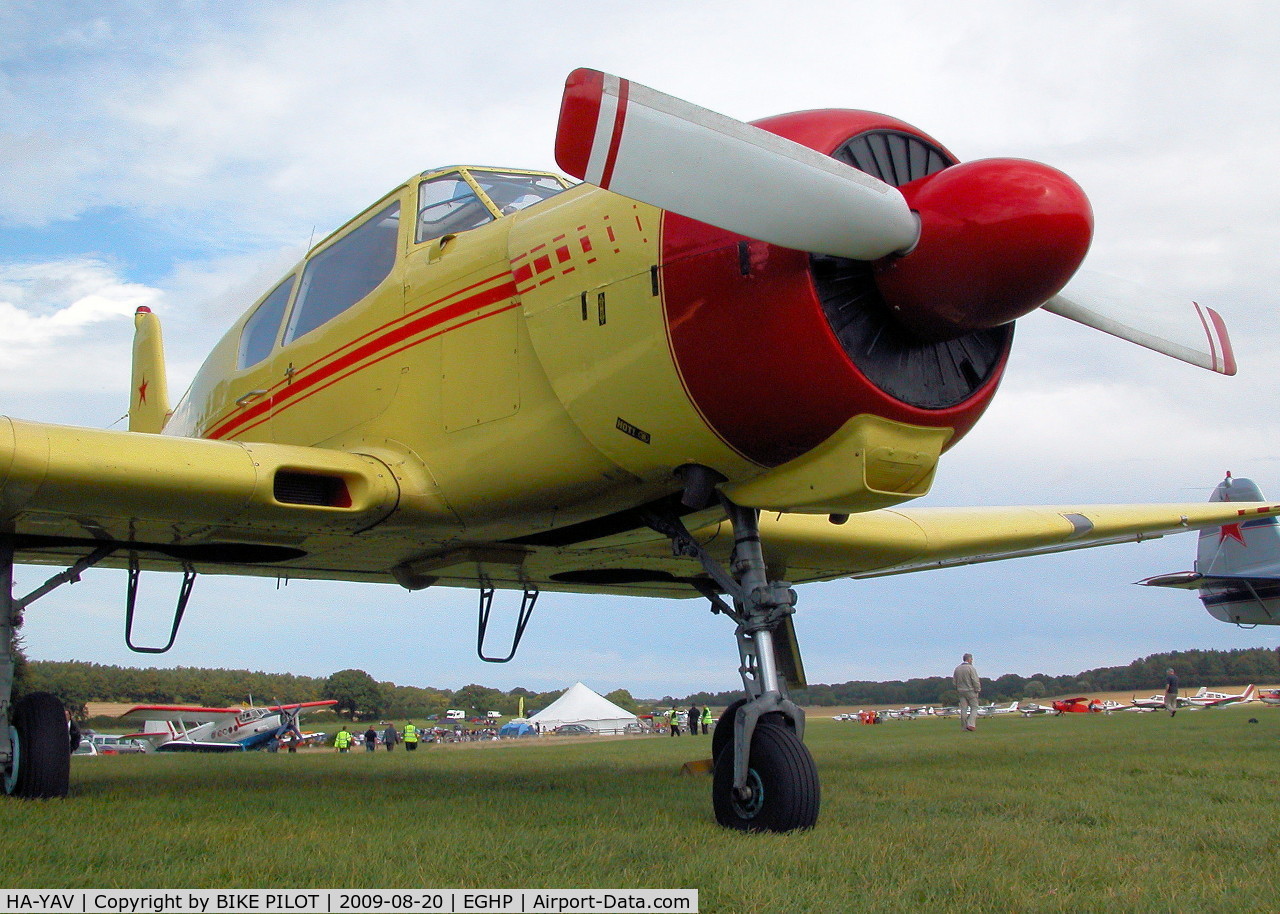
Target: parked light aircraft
(1237,567)
(1034,708)
(718,366)
(1082,705)
(1206,699)
(1154,703)
(177,728)
(992,709)
(1270,697)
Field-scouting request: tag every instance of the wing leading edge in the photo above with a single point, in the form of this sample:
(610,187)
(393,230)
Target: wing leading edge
(180,500)
(896,541)
(314,512)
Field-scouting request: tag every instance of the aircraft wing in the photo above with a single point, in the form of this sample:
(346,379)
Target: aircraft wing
(185,744)
(219,505)
(1183,580)
(1194,580)
(306,705)
(269,509)
(899,540)
(178,713)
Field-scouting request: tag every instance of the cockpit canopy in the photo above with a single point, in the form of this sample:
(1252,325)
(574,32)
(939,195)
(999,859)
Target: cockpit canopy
(459,199)
(337,275)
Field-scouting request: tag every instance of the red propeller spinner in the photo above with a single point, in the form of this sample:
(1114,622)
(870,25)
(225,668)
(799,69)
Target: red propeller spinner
(998,238)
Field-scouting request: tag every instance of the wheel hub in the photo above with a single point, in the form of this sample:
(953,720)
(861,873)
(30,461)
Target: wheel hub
(11,767)
(749,799)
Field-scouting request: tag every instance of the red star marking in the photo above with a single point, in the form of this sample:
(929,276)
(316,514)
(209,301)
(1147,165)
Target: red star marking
(142,391)
(1233,531)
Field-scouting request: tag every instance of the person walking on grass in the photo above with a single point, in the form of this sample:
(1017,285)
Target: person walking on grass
(342,742)
(370,739)
(969,686)
(390,737)
(1171,691)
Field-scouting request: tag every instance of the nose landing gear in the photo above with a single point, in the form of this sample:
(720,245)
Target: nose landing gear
(781,792)
(765,778)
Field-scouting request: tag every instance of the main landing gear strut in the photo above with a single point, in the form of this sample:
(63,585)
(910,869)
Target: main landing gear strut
(765,778)
(35,749)
(35,737)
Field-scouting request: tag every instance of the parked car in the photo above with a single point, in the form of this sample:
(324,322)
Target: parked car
(115,745)
(86,747)
(573,730)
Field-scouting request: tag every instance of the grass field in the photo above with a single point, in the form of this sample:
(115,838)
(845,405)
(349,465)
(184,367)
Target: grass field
(1127,812)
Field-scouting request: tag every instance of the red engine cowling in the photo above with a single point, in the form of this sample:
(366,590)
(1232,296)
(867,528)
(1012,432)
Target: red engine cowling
(779,348)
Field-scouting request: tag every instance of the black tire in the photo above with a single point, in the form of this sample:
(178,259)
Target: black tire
(41,767)
(783,779)
(722,735)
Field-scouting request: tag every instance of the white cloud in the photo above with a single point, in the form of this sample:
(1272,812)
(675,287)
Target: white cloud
(65,332)
(44,305)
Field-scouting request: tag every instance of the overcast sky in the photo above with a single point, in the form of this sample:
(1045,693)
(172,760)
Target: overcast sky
(181,155)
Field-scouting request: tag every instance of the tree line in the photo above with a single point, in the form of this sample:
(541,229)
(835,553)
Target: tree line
(1211,668)
(361,697)
(358,694)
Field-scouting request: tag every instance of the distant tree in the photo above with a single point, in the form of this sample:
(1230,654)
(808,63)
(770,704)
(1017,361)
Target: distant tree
(1009,686)
(622,698)
(20,666)
(948,697)
(411,701)
(477,700)
(1034,689)
(356,693)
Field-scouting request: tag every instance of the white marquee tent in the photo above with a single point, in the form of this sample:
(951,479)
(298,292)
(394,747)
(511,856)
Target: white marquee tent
(580,705)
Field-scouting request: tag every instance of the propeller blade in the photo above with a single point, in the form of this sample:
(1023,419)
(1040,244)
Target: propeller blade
(1184,330)
(663,151)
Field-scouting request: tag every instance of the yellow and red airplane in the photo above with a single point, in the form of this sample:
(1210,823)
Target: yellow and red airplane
(715,366)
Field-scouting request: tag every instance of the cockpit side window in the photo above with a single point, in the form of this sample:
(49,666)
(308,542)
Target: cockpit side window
(447,205)
(259,334)
(512,192)
(345,272)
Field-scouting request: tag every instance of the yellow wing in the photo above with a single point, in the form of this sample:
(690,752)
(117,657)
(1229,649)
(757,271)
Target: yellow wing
(280,510)
(175,501)
(894,541)
(802,548)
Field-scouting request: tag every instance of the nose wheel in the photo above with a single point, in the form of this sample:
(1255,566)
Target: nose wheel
(781,792)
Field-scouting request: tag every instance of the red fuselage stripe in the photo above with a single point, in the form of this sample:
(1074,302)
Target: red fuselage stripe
(304,383)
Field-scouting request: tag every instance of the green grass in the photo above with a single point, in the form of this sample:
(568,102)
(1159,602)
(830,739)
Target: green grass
(1126,812)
